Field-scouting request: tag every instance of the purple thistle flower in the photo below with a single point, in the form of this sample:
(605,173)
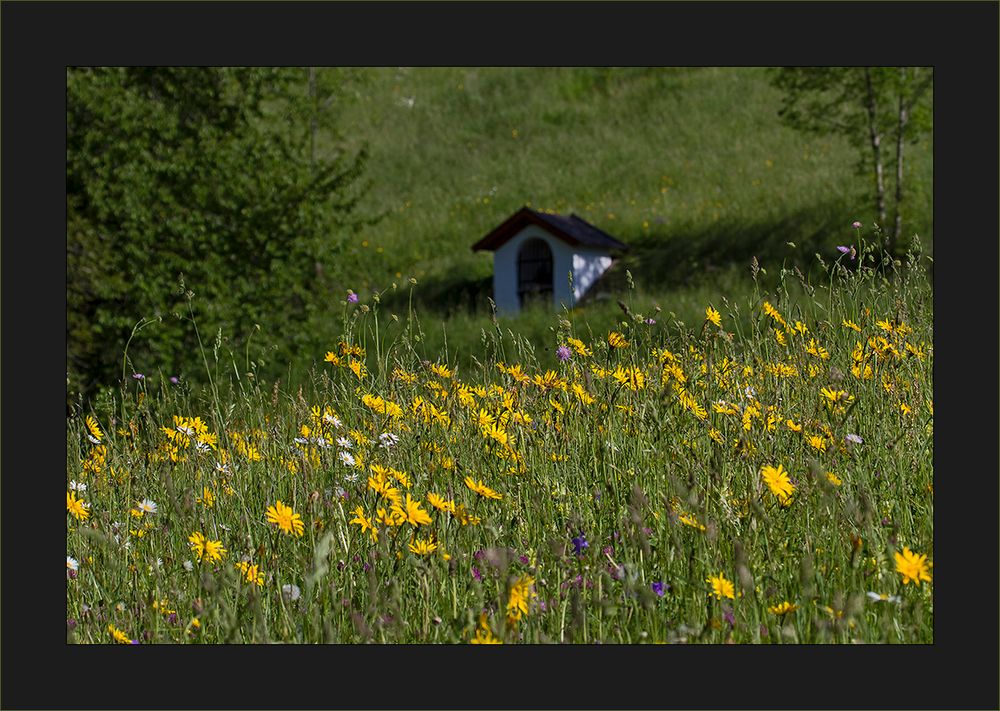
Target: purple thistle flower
(524,559)
(856,225)
(563,353)
(658,588)
(352,298)
(579,543)
(476,574)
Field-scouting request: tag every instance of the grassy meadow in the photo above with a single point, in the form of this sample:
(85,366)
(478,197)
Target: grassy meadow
(757,469)
(689,166)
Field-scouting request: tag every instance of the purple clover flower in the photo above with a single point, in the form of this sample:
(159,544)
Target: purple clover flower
(856,225)
(563,353)
(174,379)
(352,298)
(476,574)
(579,543)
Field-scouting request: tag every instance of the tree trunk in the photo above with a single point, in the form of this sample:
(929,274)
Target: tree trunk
(876,143)
(897,230)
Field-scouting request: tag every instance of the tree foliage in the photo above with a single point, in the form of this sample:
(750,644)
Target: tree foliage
(200,181)
(866,105)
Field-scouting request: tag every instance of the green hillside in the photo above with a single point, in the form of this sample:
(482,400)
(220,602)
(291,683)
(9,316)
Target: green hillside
(689,166)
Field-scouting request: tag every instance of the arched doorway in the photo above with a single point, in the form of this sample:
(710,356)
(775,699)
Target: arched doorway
(534,271)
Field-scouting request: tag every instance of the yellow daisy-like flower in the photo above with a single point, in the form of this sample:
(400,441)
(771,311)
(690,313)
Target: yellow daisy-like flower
(778,482)
(78,507)
(204,548)
(286,519)
(912,567)
(441,371)
(423,547)
(119,636)
(631,377)
(713,316)
(95,435)
(782,609)
(721,587)
(816,442)
(365,523)
(484,635)
(410,513)
(438,502)
(834,479)
(481,488)
(617,340)
(358,368)
(251,573)
(847,323)
(579,346)
(520,595)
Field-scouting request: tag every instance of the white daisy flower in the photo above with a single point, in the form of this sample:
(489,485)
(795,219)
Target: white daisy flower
(72,563)
(344,442)
(854,438)
(323,443)
(188,565)
(147,506)
(333,420)
(77,486)
(387,439)
(346,458)
(351,478)
(301,440)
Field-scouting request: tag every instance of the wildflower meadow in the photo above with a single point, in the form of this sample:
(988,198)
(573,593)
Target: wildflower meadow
(763,475)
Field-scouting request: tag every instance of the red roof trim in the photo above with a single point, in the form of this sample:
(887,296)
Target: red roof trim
(513,224)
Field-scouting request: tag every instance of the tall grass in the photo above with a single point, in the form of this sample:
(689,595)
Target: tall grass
(589,498)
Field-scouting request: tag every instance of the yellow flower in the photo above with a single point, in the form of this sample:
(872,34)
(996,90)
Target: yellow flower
(422,547)
(847,323)
(358,368)
(365,523)
(440,503)
(773,313)
(251,573)
(204,548)
(78,507)
(617,340)
(207,498)
(411,513)
(520,595)
(119,636)
(95,435)
(481,488)
(779,336)
(816,442)
(834,479)
(782,608)
(912,566)
(484,635)
(630,377)
(579,346)
(286,519)
(778,482)
(713,316)
(441,370)
(721,587)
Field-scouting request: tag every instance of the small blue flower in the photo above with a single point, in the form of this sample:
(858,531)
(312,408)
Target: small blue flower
(579,543)
(659,588)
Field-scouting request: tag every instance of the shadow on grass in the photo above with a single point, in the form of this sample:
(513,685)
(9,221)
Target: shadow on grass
(669,260)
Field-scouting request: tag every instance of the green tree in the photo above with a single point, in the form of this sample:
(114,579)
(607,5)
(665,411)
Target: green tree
(203,180)
(869,106)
